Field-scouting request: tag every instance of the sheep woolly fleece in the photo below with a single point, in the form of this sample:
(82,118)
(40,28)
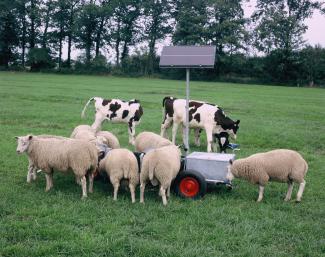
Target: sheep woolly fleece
(149,140)
(162,164)
(121,164)
(278,165)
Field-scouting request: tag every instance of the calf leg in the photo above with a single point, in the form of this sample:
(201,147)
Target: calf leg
(197,133)
(174,131)
(132,190)
(260,193)
(99,118)
(290,187)
(164,126)
(142,187)
(209,139)
(131,131)
(300,191)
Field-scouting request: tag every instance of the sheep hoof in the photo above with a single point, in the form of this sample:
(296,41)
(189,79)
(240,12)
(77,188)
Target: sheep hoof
(286,199)
(298,200)
(84,197)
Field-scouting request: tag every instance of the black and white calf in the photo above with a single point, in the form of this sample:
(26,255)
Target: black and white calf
(202,115)
(116,111)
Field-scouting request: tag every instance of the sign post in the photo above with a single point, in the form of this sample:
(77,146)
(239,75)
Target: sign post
(195,57)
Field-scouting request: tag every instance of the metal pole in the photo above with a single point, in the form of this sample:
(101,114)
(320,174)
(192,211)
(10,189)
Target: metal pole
(187,145)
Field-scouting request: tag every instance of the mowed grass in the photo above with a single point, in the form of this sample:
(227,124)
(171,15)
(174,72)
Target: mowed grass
(59,223)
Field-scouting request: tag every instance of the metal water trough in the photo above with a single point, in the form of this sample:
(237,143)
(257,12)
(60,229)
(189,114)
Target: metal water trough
(198,168)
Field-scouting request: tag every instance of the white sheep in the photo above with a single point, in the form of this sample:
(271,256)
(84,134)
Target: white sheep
(32,169)
(149,140)
(86,132)
(121,164)
(49,154)
(162,164)
(108,139)
(279,165)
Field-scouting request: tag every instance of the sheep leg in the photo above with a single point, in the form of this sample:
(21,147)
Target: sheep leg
(132,190)
(197,133)
(290,187)
(162,192)
(30,173)
(51,179)
(260,193)
(34,175)
(142,187)
(174,131)
(48,182)
(91,182)
(116,186)
(78,182)
(168,192)
(84,186)
(301,190)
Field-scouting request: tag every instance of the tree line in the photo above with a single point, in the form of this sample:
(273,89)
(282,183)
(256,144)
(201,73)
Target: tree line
(266,47)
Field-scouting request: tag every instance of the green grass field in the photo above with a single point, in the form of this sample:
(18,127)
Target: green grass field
(59,223)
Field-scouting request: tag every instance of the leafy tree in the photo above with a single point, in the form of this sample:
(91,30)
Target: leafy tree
(226,29)
(280,27)
(191,21)
(126,29)
(157,26)
(8,32)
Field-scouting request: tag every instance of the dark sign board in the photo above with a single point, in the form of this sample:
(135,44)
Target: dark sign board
(188,57)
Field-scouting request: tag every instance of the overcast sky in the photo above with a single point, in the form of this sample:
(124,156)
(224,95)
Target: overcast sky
(316,25)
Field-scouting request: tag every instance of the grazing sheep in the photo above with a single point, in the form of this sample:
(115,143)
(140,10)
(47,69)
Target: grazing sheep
(84,132)
(162,164)
(109,139)
(148,140)
(121,164)
(50,154)
(279,165)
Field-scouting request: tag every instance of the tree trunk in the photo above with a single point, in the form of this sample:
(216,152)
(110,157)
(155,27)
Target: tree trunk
(152,55)
(71,21)
(98,36)
(32,24)
(47,19)
(23,40)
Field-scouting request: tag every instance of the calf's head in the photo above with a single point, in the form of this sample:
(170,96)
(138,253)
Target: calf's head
(23,143)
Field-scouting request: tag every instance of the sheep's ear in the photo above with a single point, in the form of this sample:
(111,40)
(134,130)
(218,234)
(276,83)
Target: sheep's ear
(16,137)
(30,137)
(231,161)
(237,122)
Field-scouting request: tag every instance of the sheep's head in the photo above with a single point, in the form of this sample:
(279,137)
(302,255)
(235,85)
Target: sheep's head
(230,176)
(23,143)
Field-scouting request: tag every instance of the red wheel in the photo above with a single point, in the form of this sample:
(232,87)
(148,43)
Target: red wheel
(190,184)
(189,187)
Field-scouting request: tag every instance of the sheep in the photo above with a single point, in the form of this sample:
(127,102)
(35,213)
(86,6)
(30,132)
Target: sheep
(162,164)
(109,139)
(148,140)
(281,165)
(121,164)
(32,169)
(61,154)
(86,132)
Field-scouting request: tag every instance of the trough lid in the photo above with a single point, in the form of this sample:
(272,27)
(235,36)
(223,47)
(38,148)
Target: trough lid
(188,57)
(223,157)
